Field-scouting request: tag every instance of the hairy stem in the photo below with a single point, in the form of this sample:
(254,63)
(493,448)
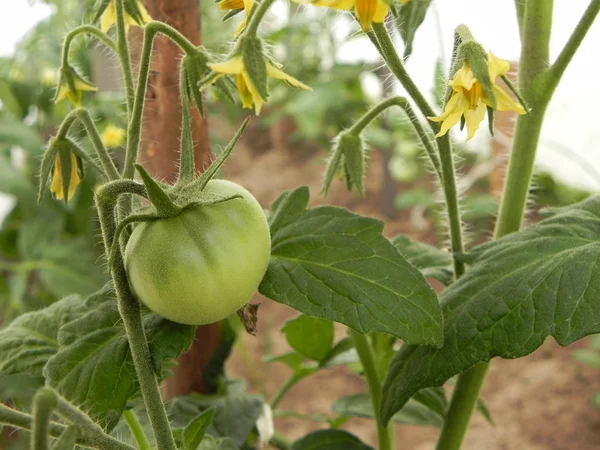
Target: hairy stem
(88,29)
(390,56)
(134,129)
(401,102)
(83,115)
(17,419)
(124,56)
(136,429)
(256,15)
(44,404)
(367,359)
(131,314)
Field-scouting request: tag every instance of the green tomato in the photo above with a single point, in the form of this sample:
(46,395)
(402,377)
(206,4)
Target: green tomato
(204,264)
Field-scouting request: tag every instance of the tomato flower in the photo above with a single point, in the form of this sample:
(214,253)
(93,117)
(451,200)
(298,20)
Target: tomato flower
(366,11)
(246,85)
(113,136)
(234,5)
(57,186)
(469,100)
(135,14)
(71,85)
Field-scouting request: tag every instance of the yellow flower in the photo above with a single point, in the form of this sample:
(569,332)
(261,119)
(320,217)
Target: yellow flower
(246,86)
(56,187)
(468,99)
(246,5)
(71,85)
(136,15)
(367,11)
(113,136)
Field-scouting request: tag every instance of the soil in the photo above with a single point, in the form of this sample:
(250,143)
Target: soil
(539,402)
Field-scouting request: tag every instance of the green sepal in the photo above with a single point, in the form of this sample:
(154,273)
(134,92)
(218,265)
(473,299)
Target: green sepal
(158,197)
(474,54)
(231,13)
(67,439)
(47,166)
(102,5)
(200,183)
(223,85)
(516,92)
(132,8)
(491,113)
(255,63)
(348,158)
(195,69)
(64,155)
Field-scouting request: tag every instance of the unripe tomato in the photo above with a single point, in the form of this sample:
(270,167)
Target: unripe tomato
(204,264)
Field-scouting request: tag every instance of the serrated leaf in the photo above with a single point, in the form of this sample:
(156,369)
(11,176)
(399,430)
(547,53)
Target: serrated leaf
(309,336)
(543,281)
(330,440)
(329,263)
(30,340)
(194,431)
(413,413)
(342,347)
(430,260)
(93,367)
(409,20)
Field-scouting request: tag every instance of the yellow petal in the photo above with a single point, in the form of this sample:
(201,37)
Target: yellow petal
(232,67)
(365,11)
(463,78)
(245,94)
(248,5)
(451,115)
(63,90)
(144,13)
(74,177)
(497,67)
(56,184)
(108,18)
(473,118)
(256,97)
(451,107)
(505,103)
(241,27)
(74,97)
(231,4)
(344,5)
(381,11)
(275,72)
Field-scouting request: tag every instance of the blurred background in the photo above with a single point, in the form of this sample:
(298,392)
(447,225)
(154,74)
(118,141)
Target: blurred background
(50,250)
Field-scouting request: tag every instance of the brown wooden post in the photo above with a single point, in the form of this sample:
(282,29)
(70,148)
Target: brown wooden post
(159,155)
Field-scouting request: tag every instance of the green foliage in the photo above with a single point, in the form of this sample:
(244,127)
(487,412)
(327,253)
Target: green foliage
(431,261)
(193,434)
(310,336)
(329,263)
(539,282)
(330,440)
(409,20)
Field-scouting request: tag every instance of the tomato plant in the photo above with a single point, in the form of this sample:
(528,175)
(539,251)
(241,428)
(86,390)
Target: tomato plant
(200,247)
(203,264)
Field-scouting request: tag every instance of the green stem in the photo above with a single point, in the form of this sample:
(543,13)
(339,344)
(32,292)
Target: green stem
(520,6)
(256,15)
(123,52)
(134,129)
(283,390)
(534,61)
(280,442)
(83,115)
(186,153)
(136,429)
(390,56)
(564,58)
(367,359)
(90,29)
(44,404)
(401,102)
(17,419)
(131,314)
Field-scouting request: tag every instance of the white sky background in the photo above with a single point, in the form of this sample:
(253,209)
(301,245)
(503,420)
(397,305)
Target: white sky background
(572,118)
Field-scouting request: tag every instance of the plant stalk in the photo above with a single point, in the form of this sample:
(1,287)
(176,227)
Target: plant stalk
(256,15)
(131,314)
(124,56)
(365,353)
(136,429)
(90,29)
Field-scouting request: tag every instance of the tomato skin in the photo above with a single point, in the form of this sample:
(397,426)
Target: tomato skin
(204,264)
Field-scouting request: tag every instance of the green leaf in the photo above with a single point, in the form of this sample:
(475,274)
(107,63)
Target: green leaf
(409,20)
(588,357)
(16,133)
(329,263)
(194,431)
(29,341)
(309,336)
(430,260)
(93,367)
(342,347)
(330,440)
(413,413)
(543,281)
